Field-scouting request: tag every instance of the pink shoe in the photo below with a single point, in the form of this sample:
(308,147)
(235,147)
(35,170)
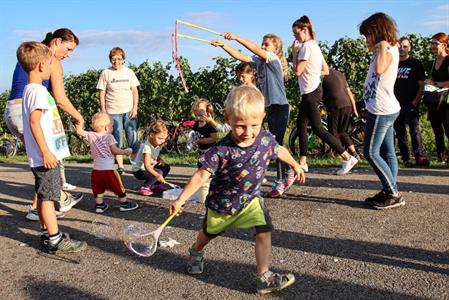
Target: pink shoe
(291,177)
(277,190)
(146,191)
(159,188)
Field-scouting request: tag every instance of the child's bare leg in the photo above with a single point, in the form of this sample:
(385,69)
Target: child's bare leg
(133,156)
(263,251)
(119,159)
(99,199)
(47,215)
(201,241)
(34,205)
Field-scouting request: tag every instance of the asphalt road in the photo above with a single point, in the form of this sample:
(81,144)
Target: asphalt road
(336,246)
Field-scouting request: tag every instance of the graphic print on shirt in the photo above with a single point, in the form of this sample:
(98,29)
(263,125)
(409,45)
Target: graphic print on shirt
(404,72)
(59,139)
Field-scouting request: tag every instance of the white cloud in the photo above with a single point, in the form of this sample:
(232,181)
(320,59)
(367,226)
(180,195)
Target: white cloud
(206,19)
(438,18)
(143,40)
(138,40)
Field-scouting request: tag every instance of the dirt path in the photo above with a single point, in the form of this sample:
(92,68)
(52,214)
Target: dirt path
(336,246)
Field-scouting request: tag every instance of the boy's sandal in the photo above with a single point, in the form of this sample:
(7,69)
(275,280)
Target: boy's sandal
(195,265)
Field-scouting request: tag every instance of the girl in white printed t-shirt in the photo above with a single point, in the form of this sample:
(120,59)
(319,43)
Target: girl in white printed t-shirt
(383,108)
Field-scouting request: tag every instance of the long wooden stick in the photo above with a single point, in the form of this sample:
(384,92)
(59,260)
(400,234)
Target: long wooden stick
(199,27)
(195,38)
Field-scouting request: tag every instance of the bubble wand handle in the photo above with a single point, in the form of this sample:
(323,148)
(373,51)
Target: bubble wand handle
(199,27)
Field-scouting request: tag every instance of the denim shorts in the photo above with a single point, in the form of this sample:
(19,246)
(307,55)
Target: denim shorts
(13,117)
(47,183)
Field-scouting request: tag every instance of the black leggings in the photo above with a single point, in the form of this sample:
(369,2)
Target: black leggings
(439,120)
(309,112)
(277,118)
(338,122)
(150,179)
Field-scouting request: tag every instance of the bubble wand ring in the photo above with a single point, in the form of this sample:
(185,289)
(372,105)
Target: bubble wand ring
(145,244)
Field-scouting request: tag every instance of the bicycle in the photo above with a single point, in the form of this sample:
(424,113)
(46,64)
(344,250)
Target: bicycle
(317,148)
(77,144)
(10,148)
(181,137)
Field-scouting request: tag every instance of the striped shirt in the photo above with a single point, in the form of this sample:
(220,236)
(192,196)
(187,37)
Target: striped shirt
(100,148)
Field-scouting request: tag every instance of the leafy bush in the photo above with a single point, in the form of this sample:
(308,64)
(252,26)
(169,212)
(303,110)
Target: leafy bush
(161,93)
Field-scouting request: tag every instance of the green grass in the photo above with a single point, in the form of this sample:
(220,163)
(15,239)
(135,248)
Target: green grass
(191,160)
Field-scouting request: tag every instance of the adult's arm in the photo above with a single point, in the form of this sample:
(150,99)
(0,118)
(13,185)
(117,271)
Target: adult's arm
(300,67)
(419,93)
(384,58)
(135,92)
(351,97)
(58,90)
(231,51)
(251,46)
(103,101)
(324,68)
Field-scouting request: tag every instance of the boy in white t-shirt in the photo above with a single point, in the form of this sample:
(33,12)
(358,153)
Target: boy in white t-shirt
(103,147)
(46,144)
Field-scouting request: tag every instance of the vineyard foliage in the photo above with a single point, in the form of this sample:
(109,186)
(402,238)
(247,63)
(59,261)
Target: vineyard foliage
(162,95)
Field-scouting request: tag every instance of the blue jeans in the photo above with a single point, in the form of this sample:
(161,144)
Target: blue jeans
(122,121)
(379,149)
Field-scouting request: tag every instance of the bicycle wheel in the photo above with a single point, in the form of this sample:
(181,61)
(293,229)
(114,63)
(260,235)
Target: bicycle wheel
(79,147)
(170,144)
(358,137)
(8,148)
(185,141)
(316,147)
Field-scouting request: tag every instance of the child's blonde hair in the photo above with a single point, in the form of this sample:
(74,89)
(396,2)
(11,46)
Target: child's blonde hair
(245,68)
(157,126)
(30,54)
(244,101)
(277,43)
(209,107)
(100,120)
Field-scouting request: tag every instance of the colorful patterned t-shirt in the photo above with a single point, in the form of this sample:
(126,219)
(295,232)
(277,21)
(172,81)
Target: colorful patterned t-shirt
(238,172)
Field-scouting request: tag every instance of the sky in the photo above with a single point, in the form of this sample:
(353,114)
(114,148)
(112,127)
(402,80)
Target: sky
(143,28)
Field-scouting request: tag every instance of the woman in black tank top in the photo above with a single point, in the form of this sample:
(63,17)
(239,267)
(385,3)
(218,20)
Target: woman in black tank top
(439,119)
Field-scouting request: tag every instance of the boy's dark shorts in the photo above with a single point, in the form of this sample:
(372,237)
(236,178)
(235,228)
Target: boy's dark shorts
(47,183)
(254,215)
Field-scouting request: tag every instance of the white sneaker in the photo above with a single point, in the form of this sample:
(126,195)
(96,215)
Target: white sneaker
(305,168)
(347,165)
(32,214)
(70,201)
(68,187)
